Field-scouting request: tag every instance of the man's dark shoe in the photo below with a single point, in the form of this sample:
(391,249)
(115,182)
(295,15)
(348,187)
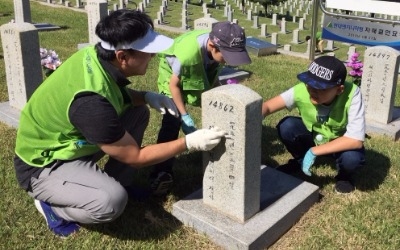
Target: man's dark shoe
(291,167)
(161,183)
(138,193)
(344,184)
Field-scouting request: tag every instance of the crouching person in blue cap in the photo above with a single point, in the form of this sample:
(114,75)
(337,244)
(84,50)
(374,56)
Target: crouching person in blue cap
(331,121)
(85,110)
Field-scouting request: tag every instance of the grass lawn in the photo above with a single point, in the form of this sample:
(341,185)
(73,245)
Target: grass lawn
(369,218)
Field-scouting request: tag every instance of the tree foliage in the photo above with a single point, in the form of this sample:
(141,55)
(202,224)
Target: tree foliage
(268,4)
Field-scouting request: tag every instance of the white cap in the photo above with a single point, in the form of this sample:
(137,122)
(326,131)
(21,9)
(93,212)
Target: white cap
(152,42)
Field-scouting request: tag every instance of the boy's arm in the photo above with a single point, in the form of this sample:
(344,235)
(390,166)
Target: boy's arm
(342,143)
(174,86)
(272,105)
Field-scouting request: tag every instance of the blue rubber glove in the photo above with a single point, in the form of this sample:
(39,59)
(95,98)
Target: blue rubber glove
(188,124)
(308,161)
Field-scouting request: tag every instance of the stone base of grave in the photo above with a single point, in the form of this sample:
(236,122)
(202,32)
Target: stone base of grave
(46,26)
(284,199)
(229,73)
(83,45)
(392,129)
(9,115)
(259,47)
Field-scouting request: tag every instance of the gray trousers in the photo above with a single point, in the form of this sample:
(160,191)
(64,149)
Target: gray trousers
(78,190)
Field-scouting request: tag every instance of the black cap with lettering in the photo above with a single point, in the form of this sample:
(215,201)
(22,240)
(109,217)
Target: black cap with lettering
(324,72)
(230,39)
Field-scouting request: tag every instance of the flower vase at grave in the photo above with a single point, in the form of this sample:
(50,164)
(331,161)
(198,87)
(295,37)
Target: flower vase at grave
(355,66)
(49,61)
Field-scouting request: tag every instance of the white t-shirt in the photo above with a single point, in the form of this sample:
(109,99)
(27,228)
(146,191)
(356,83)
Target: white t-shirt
(355,128)
(175,64)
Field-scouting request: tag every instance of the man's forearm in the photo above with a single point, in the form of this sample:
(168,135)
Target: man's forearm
(137,97)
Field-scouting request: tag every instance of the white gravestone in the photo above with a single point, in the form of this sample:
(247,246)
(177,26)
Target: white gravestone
(22,11)
(296,36)
(264,32)
(96,9)
(274,19)
(378,87)
(20,43)
(255,22)
(242,205)
(231,181)
(204,23)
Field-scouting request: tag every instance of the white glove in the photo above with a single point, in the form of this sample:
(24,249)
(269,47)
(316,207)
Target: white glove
(204,139)
(160,103)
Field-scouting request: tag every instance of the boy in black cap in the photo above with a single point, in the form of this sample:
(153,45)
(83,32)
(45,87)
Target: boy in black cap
(187,69)
(331,123)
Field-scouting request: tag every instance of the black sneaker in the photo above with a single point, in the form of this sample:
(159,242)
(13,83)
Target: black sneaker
(344,185)
(161,183)
(291,167)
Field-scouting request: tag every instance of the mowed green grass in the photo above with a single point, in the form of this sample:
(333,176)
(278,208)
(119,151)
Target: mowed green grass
(366,219)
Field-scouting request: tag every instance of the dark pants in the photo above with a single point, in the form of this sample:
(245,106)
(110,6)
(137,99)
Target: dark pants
(169,131)
(298,140)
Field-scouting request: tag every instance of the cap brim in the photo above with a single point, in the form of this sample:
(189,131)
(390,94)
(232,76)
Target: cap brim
(152,42)
(235,58)
(307,78)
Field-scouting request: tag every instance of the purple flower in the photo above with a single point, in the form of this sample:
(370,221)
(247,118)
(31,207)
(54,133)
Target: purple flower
(355,66)
(232,81)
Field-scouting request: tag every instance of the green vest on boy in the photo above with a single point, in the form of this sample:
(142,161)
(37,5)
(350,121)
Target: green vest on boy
(45,133)
(335,125)
(194,78)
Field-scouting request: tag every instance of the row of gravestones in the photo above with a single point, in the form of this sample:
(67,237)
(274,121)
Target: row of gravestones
(207,21)
(99,8)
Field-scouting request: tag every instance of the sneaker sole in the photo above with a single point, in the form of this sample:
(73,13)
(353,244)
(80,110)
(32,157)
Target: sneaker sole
(40,209)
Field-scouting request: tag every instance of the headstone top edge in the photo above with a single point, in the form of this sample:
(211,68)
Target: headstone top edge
(383,47)
(235,91)
(23,26)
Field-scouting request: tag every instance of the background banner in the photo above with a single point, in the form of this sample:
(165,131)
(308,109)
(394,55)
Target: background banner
(361,32)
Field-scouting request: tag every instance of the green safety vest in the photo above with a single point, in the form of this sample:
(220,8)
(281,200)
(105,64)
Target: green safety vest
(337,121)
(194,78)
(45,133)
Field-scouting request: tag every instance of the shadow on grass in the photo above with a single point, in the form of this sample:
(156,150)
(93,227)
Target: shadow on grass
(149,220)
(373,174)
(188,173)
(141,221)
(270,146)
(5,14)
(368,178)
